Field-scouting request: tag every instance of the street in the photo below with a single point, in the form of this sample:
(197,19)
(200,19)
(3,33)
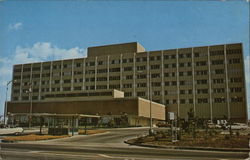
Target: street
(107,145)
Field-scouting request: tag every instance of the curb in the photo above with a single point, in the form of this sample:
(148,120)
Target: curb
(190,148)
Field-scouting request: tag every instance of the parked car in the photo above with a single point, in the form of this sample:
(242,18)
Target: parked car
(11,131)
(238,126)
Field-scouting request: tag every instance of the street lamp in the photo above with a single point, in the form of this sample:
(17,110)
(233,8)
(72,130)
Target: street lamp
(6,104)
(150,103)
(30,96)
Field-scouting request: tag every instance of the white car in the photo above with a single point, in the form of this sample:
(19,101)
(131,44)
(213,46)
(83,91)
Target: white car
(8,131)
(239,126)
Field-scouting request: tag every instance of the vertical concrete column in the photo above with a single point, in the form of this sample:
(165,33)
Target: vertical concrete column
(50,76)
(95,71)
(227,87)
(121,71)
(61,81)
(178,82)
(83,75)
(162,79)
(72,74)
(108,73)
(31,81)
(210,84)
(193,76)
(21,84)
(40,81)
(148,75)
(134,95)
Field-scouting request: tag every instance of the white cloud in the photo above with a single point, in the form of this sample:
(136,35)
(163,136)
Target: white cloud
(40,51)
(15,26)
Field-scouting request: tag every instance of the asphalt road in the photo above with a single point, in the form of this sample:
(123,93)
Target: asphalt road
(108,145)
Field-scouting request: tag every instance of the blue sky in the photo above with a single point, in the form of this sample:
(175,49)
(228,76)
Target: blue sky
(48,30)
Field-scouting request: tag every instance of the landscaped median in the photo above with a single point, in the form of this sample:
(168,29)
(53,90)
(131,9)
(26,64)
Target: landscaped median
(200,141)
(38,137)
(31,137)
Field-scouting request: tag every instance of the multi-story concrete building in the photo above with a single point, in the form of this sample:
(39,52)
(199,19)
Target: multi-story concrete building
(208,79)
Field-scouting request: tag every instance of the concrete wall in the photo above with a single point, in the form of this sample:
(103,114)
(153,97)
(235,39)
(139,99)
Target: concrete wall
(115,49)
(101,107)
(158,110)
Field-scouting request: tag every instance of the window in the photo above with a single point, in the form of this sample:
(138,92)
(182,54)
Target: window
(217,53)
(114,78)
(202,91)
(128,68)
(188,55)
(77,88)
(66,81)
(182,91)
(115,86)
(128,94)
(236,99)
(167,83)
(181,73)
(202,81)
(114,70)
(217,62)
(100,62)
(235,79)
(45,68)
(201,63)
(181,64)
(166,65)
(155,75)
(157,93)
(166,74)
(155,66)
(141,94)
(141,85)
(166,57)
(124,60)
(102,71)
(219,71)
(234,51)
(189,73)
(202,100)
(174,83)
(218,81)
(156,84)
(66,89)
(78,64)
(101,79)
(219,90)
(127,85)
(219,100)
(139,68)
(173,56)
(173,65)
(182,83)
(141,76)
(233,61)
(129,77)
(182,101)
(101,87)
(233,90)
(190,101)
(202,72)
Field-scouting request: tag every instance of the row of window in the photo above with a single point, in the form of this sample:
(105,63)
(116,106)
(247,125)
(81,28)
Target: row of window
(142,59)
(141,76)
(153,75)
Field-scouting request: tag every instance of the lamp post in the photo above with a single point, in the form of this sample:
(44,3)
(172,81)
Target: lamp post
(30,96)
(150,103)
(6,104)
